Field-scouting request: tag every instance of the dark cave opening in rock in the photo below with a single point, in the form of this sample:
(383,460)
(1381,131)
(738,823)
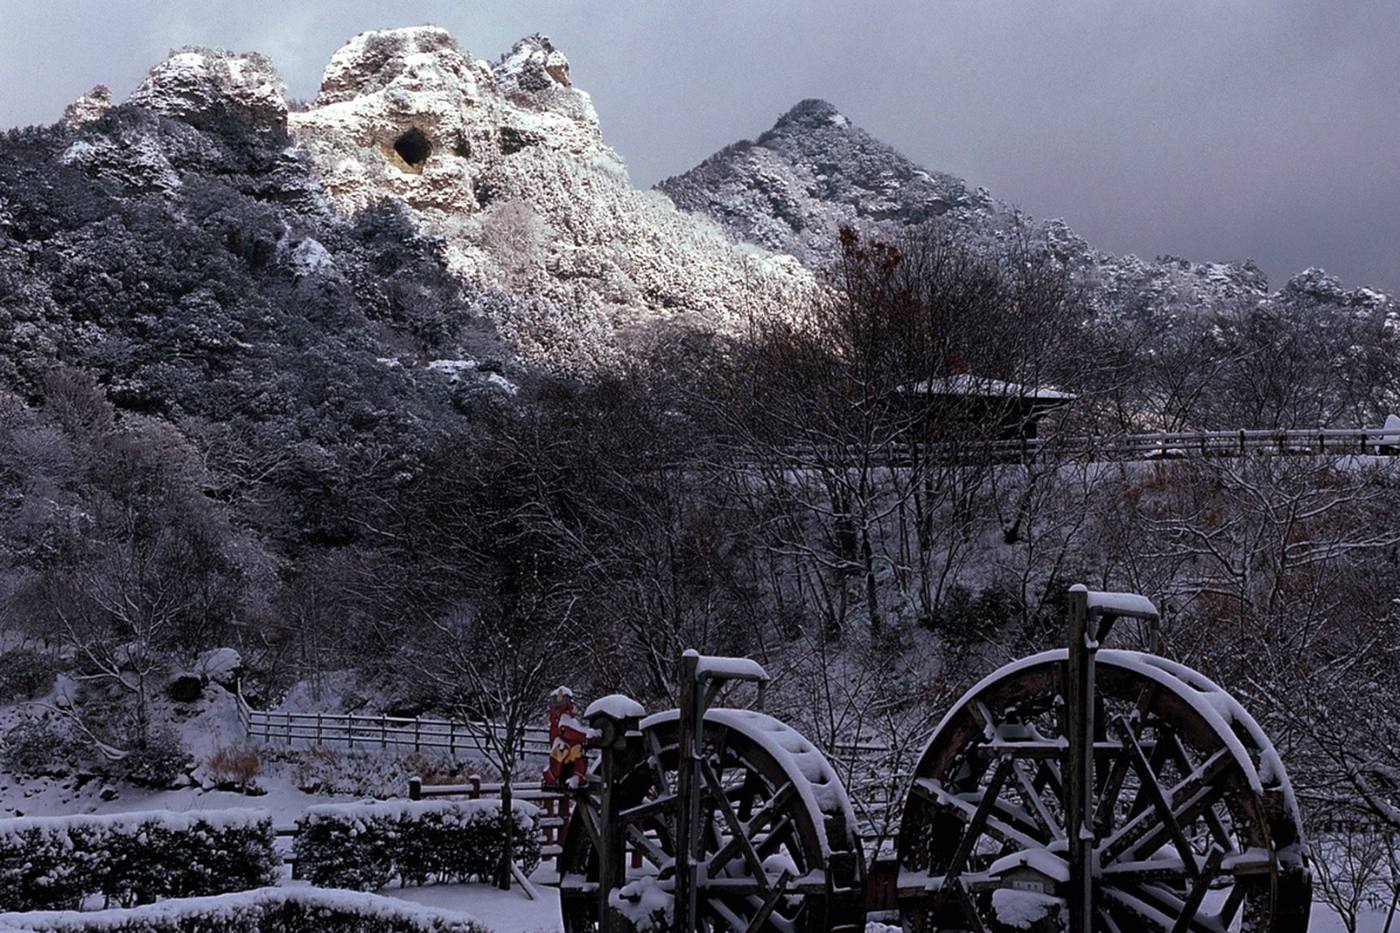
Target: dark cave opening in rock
(413,147)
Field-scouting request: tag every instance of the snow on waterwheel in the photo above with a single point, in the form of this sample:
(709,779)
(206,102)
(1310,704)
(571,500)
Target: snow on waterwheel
(1194,824)
(777,833)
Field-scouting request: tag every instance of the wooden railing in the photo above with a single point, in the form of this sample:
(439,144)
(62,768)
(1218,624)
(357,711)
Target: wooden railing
(383,732)
(554,805)
(1113,447)
(1173,445)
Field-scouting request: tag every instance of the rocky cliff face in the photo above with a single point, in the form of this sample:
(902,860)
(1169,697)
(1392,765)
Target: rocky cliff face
(506,162)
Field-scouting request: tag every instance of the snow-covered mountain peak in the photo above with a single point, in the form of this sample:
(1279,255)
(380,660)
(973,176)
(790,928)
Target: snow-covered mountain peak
(811,173)
(412,59)
(533,64)
(88,107)
(812,113)
(203,87)
(408,113)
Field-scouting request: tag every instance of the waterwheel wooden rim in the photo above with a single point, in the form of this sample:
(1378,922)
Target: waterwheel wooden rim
(794,865)
(1197,828)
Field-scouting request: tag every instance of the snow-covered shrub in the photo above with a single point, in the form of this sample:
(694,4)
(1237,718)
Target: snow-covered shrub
(41,745)
(365,846)
(133,858)
(156,762)
(26,674)
(265,910)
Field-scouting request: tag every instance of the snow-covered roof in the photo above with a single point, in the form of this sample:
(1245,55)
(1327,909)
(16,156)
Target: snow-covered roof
(968,384)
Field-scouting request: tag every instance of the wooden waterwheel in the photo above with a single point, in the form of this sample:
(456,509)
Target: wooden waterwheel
(1189,822)
(776,834)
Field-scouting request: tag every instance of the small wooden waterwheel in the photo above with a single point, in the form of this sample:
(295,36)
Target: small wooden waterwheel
(776,833)
(1190,823)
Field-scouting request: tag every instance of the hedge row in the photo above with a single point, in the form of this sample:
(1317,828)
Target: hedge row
(133,858)
(365,846)
(266,910)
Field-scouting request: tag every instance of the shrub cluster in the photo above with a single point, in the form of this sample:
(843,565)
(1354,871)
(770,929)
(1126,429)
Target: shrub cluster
(158,760)
(266,910)
(38,746)
(133,858)
(26,674)
(365,846)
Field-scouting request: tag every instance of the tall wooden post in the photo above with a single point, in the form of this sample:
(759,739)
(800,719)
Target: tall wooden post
(1079,781)
(687,792)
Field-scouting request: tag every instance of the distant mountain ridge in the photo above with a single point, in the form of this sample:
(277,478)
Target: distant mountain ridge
(813,171)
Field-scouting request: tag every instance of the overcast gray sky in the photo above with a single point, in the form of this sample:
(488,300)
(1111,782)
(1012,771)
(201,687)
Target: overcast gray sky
(1214,129)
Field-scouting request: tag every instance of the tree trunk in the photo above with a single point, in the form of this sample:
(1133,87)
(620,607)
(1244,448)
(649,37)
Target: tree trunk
(503,875)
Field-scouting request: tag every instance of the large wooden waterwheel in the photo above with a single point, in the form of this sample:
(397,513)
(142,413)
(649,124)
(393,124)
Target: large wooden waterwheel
(777,835)
(1191,819)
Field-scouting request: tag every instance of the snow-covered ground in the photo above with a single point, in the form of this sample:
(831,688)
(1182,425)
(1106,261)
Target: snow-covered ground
(503,911)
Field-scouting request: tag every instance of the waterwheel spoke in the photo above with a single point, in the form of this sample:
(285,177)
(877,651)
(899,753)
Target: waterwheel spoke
(1197,897)
(1152,787)
(1106,921)
(775,895)
(973,831)
(1156,760)
(1178,754)
(1038,807)
(748,793)
(965,811)
(648,808)
(650,849)
(1150,912)
(771,808)
(738,831)
(708,830)
(663,779)
(1113,781)
(1233,902)
(775,837)
(969,907)
(1188,799)
(589,814)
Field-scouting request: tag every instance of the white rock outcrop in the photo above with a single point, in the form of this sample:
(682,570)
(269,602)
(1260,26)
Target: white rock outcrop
(507,163)
(91,106)
(201,86)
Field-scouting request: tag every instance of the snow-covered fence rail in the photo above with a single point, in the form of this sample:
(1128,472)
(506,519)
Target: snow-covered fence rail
(384,732)
(1126,447)
(1168,445)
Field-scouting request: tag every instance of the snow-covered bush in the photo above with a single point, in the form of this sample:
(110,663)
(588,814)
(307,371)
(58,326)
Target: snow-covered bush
(156,762)
(41,745)
(26,674)
(133,858)
(365,846)
(265,910)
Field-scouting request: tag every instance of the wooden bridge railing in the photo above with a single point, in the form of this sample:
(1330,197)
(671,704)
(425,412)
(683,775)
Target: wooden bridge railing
(383,732)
